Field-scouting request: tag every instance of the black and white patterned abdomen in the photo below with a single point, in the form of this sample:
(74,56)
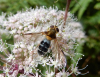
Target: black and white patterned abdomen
(43,47)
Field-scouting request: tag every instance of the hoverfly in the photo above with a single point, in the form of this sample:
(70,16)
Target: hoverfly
(46,43)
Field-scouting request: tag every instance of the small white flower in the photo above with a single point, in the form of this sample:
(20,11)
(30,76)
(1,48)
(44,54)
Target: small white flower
(44,62)
(1,75)
(75,70)
(11,57)
(6,71)
(20,67)
(34,64)
(22,75)
(20,27)
(64,74)
(13,31)
(22,45)
(2,46)
(30,48)
(50,74)
(27,69)
(55,63)
(2,18)
(15,73)
(16,45)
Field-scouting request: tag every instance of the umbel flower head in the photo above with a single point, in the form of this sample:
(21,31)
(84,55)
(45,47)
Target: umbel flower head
(24,60)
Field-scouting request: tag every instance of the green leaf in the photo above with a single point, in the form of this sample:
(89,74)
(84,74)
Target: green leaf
(97,6)
(76,6)
(81,6)
(85,4)
(95,19)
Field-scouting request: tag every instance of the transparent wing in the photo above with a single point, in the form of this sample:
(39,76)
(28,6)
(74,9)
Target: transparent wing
(58,53)
(33,33)
(29,37)
(34,40)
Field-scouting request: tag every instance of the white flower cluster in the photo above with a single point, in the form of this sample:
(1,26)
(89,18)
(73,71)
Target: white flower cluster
(2,18)
(2,46)
(24,58)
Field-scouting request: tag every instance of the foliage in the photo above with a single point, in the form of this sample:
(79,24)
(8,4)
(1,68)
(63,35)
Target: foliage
(84,4)
(88,11)
(17,5)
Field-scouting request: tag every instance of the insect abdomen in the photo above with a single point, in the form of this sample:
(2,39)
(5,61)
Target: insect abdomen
(43,47)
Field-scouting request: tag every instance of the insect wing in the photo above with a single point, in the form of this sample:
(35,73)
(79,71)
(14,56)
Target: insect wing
(33,33)
(35,38)
(58,53)
(42,33)
(27,36)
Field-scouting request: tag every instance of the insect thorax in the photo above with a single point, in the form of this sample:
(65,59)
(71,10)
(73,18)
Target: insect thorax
(52,34)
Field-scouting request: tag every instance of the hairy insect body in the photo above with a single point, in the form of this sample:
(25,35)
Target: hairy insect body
(43,47)
(45,44)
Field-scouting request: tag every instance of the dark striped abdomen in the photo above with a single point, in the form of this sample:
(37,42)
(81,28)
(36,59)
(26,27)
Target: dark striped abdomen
(43,47)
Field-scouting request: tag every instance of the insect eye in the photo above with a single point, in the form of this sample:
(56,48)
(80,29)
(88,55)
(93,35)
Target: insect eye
(57,29)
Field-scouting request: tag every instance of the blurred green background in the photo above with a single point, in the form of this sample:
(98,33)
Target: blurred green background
(87,12)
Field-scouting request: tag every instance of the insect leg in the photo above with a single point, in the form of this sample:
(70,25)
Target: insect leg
(60,54)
